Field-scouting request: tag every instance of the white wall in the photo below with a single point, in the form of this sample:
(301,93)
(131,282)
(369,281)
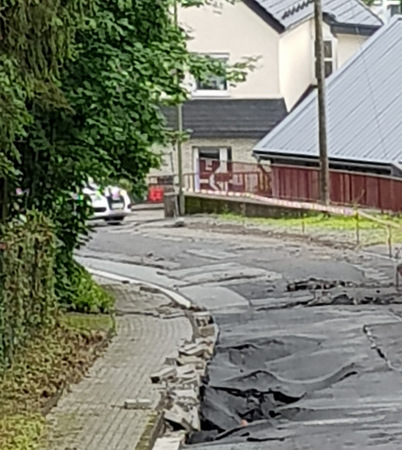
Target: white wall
(297,57)
(295,66)
(286,66)
(348,45)
(240,32)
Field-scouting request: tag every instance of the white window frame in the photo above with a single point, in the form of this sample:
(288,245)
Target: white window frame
(334,58)
(213,92)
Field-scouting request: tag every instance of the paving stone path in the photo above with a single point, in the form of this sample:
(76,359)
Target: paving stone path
(92,416)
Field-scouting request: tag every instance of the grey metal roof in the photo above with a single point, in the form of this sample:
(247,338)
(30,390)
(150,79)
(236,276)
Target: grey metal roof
(225,118)
(364,108)
(348,12)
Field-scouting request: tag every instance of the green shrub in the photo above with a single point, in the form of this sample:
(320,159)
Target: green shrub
(78,292)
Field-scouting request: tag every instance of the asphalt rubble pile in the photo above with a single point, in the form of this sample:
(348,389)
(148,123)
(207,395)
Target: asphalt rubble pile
(181,377)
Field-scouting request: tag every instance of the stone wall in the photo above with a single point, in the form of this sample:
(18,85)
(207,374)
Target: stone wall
(196,204)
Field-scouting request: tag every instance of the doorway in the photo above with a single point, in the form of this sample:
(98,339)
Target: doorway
(209,162)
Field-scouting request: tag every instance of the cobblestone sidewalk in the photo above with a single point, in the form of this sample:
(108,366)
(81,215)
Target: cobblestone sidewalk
(92,416)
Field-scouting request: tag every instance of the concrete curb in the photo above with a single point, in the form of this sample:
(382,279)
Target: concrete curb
(174,296)
(147,207)
(153,438)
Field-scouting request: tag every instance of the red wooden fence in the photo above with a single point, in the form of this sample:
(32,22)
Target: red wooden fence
(300,184)
(347,188)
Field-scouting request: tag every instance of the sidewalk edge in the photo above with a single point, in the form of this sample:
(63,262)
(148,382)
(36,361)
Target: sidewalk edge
(174,296)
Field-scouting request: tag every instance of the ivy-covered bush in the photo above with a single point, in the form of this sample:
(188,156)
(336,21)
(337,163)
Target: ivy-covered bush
(27,297)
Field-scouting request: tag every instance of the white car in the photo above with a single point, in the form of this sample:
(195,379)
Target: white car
(111,204)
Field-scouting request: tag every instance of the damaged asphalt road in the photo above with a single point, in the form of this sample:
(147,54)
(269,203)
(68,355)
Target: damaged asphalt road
(305,378)
(309,353)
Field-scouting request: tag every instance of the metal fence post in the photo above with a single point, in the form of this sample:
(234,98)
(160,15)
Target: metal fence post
(389,241)
(243,211)
(357,217)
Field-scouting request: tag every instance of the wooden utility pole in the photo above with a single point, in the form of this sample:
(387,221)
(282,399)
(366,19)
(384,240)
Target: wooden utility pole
(322,118)
(179,116)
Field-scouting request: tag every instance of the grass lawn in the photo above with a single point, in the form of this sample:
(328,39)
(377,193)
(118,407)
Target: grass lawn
(50,361)
(372,231)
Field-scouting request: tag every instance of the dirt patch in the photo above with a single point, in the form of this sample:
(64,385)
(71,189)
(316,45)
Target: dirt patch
(338,241)
(42,371)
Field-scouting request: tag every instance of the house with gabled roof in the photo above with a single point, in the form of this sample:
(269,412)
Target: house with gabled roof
(364,114)
(225,121)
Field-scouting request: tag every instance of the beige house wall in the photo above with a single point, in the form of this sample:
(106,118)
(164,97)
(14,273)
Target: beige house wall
(239,32)
(286,67)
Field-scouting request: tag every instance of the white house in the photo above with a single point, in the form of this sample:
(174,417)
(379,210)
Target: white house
(224,121)
(364,114)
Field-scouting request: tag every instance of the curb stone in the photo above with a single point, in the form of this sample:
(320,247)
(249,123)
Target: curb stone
(174,296)
(151,433)
(179,391)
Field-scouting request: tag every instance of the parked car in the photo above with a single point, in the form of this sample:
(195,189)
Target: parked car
(111,204)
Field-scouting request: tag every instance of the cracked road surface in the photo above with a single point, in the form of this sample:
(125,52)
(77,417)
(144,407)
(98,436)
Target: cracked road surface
(309,353)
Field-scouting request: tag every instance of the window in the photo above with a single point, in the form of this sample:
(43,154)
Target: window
(213,85)
(328,58)
(394,9)
(209,153)
(210,158)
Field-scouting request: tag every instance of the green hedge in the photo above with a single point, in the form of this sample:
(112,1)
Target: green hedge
(27,299)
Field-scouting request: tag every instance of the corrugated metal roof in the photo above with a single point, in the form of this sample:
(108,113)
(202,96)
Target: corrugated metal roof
(228,118)
(290,12)
(364,108)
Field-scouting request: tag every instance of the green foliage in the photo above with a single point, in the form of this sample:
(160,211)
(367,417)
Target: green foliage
(52,359)
(36,38)
(22,432)
(27,301)
(82,83)
(78,292)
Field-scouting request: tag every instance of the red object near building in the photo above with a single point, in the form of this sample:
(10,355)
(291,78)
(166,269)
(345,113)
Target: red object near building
(156,194)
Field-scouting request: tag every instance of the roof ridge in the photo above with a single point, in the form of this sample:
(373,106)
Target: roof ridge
(296,8)
(292,12)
